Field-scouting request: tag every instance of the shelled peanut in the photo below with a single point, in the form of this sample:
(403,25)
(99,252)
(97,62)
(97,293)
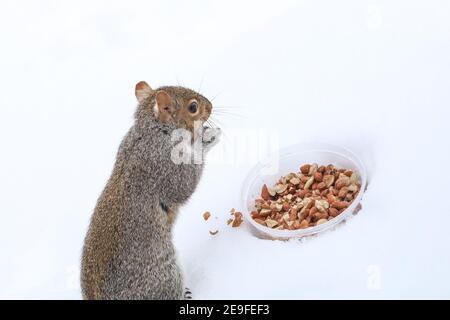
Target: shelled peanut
(306,198)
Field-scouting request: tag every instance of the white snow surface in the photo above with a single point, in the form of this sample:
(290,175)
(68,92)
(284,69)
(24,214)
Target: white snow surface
(371,76)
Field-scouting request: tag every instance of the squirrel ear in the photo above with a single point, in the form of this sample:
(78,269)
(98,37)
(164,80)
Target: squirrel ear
(163,108)
(142,90)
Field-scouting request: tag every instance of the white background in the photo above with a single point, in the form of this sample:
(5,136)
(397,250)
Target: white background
(372,76)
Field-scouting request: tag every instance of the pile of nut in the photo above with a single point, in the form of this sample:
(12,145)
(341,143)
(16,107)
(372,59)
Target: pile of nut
(306,198)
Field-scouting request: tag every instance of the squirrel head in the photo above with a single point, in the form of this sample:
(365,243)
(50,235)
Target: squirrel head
(174,105)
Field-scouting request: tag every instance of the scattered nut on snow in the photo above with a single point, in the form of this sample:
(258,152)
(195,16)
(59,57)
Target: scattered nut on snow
(237,219)
(206,215)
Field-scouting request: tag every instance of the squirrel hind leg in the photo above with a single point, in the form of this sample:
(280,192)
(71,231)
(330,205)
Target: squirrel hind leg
(187,294)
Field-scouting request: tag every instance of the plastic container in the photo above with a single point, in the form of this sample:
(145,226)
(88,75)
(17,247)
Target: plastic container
(289,160)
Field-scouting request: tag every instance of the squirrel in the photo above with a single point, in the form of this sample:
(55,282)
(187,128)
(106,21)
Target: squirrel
(128,251)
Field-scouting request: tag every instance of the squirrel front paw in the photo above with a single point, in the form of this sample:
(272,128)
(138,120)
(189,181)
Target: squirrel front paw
(210,137)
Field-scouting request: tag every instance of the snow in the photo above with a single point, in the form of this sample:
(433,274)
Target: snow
(371,76)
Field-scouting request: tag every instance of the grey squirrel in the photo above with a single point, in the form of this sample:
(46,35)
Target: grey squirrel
(128,251)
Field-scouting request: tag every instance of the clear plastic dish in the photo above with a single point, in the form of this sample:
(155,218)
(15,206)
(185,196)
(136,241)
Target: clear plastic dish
(289,160)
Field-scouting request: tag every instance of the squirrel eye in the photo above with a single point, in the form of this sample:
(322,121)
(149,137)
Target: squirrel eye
(193,107)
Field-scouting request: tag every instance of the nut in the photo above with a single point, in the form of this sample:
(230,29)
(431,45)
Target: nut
(265,193)
(272,192)
(309,183)
(293,214)
(318,177)
(320,215)
(328,179)
(271,223)
(255,215)
(305,168)
(206,215)
(260,221)
(237,220)
(280,188)
(354,178)
(340,204)
(265,212)
(309,203)
(321,185)
(321,221)
(302,193)
(304,224)
(352,188)
(322,205)
(303,178)
(313,168)
(295,181)
(342,182)
(343,176)
(333,212)
(343,192)
(278,207)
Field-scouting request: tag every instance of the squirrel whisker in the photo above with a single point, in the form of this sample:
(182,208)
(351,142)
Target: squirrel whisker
(218,124)
(229,113)
(218,94)
(201,84)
